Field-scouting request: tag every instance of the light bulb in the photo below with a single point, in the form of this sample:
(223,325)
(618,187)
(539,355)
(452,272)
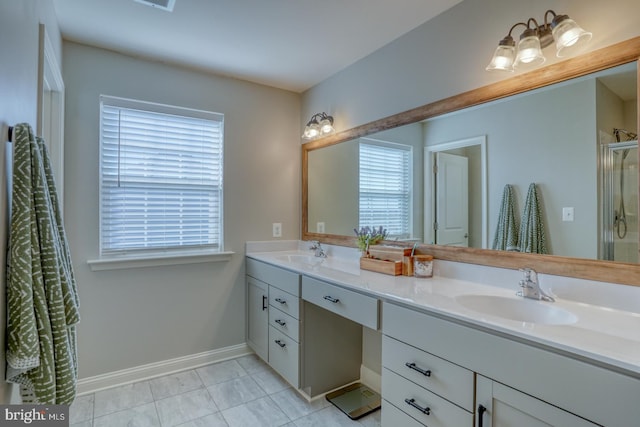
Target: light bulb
(326,127)
(314,130)
(529,52)
(502,59)
(569,36)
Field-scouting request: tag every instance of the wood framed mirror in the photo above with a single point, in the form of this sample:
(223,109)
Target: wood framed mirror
(628,273)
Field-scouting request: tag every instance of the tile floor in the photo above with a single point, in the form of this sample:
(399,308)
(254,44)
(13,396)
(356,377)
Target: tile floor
(235,393)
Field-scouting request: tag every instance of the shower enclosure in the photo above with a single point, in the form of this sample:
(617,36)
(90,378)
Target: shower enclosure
(620,198)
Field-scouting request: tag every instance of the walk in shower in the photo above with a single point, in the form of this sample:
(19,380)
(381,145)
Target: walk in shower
(620,197)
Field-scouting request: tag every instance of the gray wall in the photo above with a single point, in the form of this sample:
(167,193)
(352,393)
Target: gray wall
(448,55)
(566,174)
(143,315)
(19,21)
(333,176)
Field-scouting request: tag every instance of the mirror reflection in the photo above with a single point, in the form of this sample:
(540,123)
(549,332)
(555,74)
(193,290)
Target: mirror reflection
(442,180)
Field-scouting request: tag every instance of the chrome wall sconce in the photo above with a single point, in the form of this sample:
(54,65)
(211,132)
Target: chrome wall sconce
(568,36)
(321,124)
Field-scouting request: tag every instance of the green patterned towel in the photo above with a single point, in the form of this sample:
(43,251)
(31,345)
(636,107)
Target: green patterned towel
(506,237)
(42,299)
(532,237)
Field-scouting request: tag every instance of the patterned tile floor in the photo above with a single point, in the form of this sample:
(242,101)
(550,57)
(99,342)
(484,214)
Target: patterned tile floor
(242,392)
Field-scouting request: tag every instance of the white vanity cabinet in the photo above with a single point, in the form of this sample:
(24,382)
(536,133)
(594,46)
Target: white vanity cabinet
(315,344)
(518,383)
(273,317)
(422,386)
(502,406)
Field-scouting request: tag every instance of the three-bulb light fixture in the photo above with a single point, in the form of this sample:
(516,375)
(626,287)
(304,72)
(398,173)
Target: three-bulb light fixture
(568,36)
(320,125)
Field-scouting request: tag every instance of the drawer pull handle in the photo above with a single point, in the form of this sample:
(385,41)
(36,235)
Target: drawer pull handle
(412,402)
(425,372)
(281,301)
(332,299)
(280,322)
(481,411)
(281,344)
(264,303)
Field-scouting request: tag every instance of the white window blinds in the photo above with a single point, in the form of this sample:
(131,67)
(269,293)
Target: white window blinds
(385,187)
(160,178)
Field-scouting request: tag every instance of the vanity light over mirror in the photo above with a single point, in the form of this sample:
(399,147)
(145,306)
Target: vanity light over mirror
(320,124)
(567,36)
(555,126)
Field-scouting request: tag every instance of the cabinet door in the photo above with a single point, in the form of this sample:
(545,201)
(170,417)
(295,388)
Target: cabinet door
(502,406)
(258,317)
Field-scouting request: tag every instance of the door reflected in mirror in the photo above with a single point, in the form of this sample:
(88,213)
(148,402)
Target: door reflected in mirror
(456,183)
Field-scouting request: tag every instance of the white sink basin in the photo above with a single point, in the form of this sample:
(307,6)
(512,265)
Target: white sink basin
(302,259)
(310,262)
(521,310)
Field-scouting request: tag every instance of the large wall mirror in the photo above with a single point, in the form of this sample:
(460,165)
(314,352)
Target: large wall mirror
(570,128)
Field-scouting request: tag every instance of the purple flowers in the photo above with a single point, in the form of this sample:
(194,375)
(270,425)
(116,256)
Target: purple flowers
(369,236)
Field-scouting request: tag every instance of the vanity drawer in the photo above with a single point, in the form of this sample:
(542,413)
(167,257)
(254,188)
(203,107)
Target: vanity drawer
(284,301)
(360,308)
(445,379)
(276,276)
(402,393)
(284,323)
(392,416)
(283,356)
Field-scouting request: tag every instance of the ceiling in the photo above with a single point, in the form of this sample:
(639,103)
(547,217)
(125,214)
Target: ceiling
(288,44)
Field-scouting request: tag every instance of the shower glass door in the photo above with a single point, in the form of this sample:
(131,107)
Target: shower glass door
(620,201)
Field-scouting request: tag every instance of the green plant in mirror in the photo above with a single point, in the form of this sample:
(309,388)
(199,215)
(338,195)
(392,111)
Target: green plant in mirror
(368,236)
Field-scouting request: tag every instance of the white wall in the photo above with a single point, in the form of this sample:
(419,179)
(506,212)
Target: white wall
(138,316)
(19,22)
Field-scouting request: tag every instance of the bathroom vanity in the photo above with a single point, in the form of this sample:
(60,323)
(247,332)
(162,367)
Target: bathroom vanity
(447,359)
(296,324)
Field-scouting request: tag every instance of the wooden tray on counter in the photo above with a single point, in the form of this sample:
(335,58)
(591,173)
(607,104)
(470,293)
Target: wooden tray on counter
(393,268)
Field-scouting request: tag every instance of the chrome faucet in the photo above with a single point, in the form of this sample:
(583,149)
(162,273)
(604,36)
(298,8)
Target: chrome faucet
(531,288)
(315,246)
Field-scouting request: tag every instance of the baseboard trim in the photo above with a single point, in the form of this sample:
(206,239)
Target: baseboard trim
(158,369)
(370,378)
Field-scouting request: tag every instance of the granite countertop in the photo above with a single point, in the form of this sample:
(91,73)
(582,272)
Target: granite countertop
(604,335)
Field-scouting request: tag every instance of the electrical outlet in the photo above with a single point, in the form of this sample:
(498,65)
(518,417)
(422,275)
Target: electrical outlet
(320,227)
(567,214)
(277,229)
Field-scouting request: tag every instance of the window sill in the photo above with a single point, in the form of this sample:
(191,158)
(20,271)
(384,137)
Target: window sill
(119,263)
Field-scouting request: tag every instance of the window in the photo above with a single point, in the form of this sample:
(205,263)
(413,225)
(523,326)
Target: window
(385,187)
(160,178)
